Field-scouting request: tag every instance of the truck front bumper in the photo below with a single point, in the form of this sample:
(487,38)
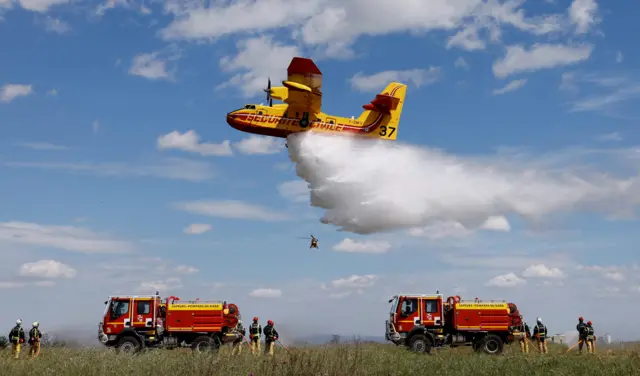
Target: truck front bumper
(391,334)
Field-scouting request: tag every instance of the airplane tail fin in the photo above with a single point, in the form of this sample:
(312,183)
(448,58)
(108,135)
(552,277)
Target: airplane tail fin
(382,114)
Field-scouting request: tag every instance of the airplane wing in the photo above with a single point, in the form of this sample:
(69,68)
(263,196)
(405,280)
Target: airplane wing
(304,81)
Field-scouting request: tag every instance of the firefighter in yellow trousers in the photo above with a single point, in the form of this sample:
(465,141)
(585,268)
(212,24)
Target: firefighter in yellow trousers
(525,335)
(16,337)
(237,344)
(34,339)
(254,335)
(540,332)
(591,348)
(270,336)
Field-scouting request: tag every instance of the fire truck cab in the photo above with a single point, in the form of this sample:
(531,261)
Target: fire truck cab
(131,323)
(422,322)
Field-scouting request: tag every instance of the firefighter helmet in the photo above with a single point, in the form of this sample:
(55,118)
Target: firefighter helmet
(270,322)
(588,322)
(19,321)
(35,324)
(580,318)
(255,319)
(539,320)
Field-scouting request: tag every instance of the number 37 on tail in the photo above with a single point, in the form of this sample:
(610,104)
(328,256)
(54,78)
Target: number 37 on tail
(301,110)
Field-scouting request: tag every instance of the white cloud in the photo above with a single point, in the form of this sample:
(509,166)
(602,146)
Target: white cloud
(614,136)
(257,60)
(230,209)
(9,92)
(195,21)
(95,126)
(606,92)
(42,146)
(583,14)
(611,273)
(265,293)
(378,81)
(619,57)
(441,230)
(185,269)
(11,285)
(294,190)
(336,24)
(163,286)
(614,276)
(355,281)
(40,6)
(364,246)
(511,86)
(169,168)
(190,142)
(70,238)
(53,92)
(425,186)
(461,63)
(56,25)
(260,145)
(542,271)
(540,56)
(197,228)
(155,65)
(496,223)
(453,229)
(506,280)
(47,269)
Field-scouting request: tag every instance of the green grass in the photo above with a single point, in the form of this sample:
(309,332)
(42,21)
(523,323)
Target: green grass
(322,361)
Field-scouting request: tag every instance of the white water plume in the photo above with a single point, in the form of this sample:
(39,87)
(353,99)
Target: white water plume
(369,186)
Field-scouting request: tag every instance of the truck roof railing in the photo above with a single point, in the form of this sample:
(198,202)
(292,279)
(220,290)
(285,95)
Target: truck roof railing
(198,302)
(134,296)
(434,294)
(482,301)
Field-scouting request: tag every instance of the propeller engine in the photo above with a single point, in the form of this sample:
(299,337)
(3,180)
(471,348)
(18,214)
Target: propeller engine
(268,91)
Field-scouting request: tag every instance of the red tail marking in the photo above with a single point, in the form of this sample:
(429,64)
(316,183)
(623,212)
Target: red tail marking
(383,103)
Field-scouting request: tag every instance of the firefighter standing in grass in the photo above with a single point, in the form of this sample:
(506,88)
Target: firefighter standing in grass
(237,344)
(540,332)
(526,334)
(582,333)
(254,335)
(35,335)
(590,338)
(16,337)
(270,336)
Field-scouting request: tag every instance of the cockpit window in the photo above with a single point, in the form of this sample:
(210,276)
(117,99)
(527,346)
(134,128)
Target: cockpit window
(246,107)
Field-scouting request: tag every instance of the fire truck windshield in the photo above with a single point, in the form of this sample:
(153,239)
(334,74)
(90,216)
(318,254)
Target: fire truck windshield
(394,305)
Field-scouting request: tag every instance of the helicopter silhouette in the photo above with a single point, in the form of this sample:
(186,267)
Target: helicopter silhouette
(314,242)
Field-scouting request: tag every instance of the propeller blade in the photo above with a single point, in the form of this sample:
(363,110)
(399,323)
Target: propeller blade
(268,89)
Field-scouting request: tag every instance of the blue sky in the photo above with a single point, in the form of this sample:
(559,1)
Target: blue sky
(92,195)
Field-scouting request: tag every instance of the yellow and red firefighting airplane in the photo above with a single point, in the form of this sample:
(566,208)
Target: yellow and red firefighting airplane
(302,109)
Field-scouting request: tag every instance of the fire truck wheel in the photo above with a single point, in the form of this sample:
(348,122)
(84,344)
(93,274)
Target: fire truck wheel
(420,343)
(128,345)
(204,344)
(492,344)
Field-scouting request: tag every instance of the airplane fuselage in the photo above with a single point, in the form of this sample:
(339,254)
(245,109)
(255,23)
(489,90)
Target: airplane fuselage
(279,121)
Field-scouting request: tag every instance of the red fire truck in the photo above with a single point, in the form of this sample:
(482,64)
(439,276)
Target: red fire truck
(131,323)
(422,322)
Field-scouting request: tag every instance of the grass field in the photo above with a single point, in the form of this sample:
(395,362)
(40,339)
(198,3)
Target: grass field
(322,361)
